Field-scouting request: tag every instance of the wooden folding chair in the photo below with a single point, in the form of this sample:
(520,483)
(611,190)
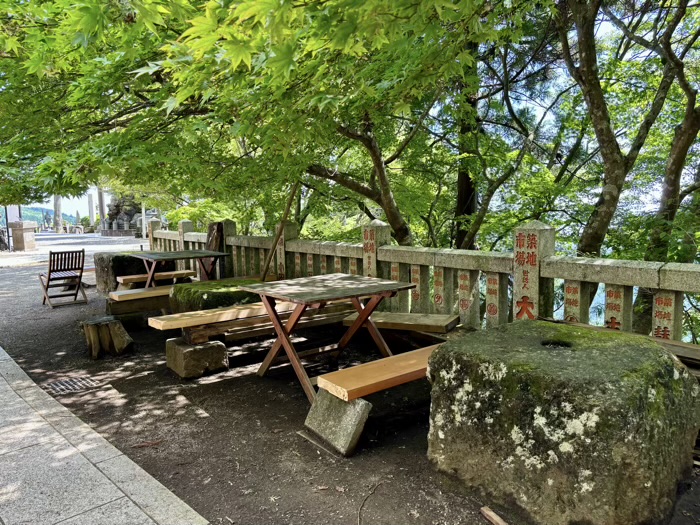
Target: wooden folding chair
(65,271)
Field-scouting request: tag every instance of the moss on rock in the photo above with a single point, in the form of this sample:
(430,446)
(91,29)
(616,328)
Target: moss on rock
(206,295)
(575,426)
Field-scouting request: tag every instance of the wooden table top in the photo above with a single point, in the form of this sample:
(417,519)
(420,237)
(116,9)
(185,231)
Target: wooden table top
(176,255)
(321,288)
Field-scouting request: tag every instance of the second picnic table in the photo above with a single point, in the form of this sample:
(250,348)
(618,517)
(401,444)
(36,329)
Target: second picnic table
(316,292)
(152,259)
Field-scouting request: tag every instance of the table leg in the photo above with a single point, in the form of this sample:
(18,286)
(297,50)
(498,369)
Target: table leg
(289,327)
(364,319)
(206,274)
(283,337)
(151,269)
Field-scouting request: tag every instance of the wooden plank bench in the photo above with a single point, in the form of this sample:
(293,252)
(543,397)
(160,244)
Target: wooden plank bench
(368,378)
(140,300)
(240,321)
(431,323)
(160,276)
(338,413)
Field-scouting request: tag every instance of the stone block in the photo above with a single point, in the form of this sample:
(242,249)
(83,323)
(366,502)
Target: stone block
(109,266)
(611,271)
(23,238)
(569,424)
(192,361)
(339,423)
(205,295)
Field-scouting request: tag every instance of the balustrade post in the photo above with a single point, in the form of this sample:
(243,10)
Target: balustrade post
(420,295)
(667,315)
(183,227)
(443,289)
(153,225)
(469,301)
(618,307)
(496,299)
(577,301)
(374,235)
(533,296)
(400,273)
(229,263)
(290,231)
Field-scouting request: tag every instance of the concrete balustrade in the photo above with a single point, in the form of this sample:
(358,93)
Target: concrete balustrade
(474,284)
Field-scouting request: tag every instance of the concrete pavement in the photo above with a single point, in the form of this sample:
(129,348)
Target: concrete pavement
(54,469)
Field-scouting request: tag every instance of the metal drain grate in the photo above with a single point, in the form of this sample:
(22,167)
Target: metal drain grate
(67,386)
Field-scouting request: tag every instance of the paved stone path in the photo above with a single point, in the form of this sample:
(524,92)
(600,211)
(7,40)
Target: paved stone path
(55,469)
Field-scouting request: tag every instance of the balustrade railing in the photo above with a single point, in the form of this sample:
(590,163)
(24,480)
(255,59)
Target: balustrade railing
(515,286)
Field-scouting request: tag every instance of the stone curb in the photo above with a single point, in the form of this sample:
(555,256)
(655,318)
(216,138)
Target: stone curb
(42,439)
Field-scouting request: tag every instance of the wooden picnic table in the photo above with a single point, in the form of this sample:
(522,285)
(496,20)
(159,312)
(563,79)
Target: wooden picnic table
(316,292)
(152,259)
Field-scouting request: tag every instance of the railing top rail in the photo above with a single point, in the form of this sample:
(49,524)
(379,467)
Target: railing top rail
(653,275)
(249,241)
(459,259)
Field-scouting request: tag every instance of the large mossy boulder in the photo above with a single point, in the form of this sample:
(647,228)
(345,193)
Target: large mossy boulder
(572,426)
(206,295)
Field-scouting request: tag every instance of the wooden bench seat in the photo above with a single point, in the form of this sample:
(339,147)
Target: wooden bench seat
(240,321)
(142,293)
(160,276)
(431,323)
(139,300)
(375,376)
(338,413)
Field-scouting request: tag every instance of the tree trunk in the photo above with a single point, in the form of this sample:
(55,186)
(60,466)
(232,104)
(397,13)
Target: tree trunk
(660,236)
(57,214)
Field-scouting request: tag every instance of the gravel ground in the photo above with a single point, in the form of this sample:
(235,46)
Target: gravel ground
(227,444)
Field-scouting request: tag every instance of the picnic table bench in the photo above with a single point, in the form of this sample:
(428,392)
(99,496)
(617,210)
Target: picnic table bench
(127,280)
(239,321)
(138,300)
(338,413)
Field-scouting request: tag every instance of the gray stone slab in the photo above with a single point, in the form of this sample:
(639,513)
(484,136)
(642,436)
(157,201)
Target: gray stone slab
(339,423)
(157,501)
(21,427)
(50,482)
(93,446)
(14,375)
(494,262)
(3,355)
(120,512)
(610,271)
(407,255)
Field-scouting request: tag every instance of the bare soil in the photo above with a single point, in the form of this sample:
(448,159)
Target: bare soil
(227,444)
